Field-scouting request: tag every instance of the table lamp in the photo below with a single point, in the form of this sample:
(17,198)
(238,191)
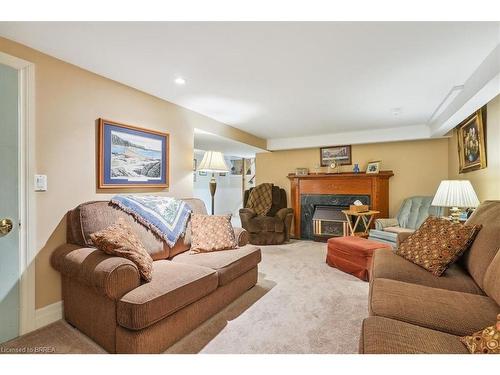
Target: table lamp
(213,161)
(456,194)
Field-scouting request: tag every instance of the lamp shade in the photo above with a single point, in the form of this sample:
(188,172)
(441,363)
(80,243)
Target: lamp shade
(455,193)
(213,161)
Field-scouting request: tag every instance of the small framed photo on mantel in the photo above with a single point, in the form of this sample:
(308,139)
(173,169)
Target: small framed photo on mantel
(130,156)
(373,167)
(341,155)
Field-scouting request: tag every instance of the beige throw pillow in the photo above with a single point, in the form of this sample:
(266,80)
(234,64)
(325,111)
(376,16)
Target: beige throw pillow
(120,240)
(437,244)
(211,233)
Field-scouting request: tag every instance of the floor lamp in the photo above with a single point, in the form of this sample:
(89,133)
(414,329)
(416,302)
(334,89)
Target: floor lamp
(213,161)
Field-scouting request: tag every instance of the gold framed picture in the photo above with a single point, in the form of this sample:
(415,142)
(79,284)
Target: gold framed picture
(129,156)
(471,141)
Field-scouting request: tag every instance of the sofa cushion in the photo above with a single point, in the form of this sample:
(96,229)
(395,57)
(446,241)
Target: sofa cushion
(492,279)
(265,224)
(388,336)
(173,286)
(212,233)
(398,230)
(229,264)
(487,242)
(453,312)
(486,341)
(92,217)
(388,265)
(120,240)
(437,244)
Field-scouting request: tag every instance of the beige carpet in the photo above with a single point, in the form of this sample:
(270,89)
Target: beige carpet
(300,305)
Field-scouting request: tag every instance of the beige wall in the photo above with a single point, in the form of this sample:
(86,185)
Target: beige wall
(68,102)
(486,181)
(418,166)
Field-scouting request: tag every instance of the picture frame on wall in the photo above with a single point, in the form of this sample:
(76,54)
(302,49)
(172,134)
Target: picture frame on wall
(130,156)
(341,155)
(471,143)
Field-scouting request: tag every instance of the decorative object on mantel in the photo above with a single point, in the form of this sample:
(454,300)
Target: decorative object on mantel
(341,155)
(471,140)
(456,194)
(334,167)
(356,168)
(301,171)
(373,167)
(130,156)
(213,161)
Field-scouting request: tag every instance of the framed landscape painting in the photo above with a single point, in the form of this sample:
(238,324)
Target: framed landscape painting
(471,141)
(341,155)
(130,156)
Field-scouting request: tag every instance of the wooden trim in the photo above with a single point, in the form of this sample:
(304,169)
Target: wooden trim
(27,204)
(381,174)
(48,314)
(101,184)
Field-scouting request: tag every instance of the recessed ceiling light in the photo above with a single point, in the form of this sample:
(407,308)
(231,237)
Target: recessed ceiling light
(396,111)
(180,81)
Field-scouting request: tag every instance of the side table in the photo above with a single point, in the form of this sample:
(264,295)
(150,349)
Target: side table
(366,217)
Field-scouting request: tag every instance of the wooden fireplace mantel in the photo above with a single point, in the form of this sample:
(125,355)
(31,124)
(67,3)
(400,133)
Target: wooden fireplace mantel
(374,185)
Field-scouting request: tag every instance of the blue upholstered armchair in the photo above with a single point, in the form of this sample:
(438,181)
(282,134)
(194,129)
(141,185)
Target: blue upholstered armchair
(411,215)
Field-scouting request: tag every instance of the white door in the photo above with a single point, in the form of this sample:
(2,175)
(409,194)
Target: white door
(9,204)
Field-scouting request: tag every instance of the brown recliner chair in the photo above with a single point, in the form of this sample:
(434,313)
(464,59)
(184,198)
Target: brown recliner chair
(272,229)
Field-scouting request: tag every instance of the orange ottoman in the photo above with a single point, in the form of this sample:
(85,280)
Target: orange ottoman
(353,254)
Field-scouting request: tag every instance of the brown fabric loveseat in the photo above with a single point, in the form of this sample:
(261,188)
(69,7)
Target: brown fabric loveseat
(412,311)
(105,298)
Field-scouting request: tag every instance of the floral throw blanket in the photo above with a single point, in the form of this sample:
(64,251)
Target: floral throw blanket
(167,217)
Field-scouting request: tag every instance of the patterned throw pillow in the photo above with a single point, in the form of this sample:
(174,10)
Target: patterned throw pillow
(437,244)
(120,240)
(486,341)
(211,233)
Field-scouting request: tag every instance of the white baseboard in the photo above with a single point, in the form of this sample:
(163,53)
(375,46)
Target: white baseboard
(48,314)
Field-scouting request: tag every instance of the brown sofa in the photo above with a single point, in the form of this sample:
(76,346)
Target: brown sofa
(105,298)
(412,311)
(272,229)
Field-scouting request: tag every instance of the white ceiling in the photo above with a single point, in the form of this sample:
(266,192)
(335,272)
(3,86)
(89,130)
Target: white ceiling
(211,142)
(280,79)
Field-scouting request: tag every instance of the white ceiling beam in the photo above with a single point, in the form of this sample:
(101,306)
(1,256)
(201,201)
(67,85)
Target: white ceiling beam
(403,133)
(482,86)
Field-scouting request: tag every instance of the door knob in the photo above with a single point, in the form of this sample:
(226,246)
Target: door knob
(5,227)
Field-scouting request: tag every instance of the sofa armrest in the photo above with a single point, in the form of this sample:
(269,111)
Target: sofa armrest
(401,237)
(107,275)
(380,224)
(246,214)
(241,235)
(286,215)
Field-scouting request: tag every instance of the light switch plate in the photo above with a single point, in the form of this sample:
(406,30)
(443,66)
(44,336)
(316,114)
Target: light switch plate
(40,182)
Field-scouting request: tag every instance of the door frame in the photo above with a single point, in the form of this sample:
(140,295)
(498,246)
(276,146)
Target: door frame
(27,204)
